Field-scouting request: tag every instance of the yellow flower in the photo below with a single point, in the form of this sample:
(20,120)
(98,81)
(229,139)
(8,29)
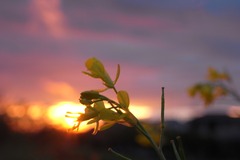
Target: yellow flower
(96,70)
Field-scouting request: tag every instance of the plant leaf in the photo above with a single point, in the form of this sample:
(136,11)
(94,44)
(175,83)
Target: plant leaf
(117,75)
(93,121)
(215,75)
(99,106)
(107,125)
(123,99)
(108,115)
(90,74)
(89,114)
(96,129)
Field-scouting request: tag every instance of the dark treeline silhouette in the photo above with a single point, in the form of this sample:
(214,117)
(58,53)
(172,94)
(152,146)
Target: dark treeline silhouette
(210,137)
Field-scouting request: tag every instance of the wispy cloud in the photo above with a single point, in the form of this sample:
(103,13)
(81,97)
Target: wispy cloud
(60,89)
(48,16)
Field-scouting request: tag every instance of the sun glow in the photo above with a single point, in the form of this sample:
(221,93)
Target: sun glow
(15,111)
(141,112)
(35,112)
(61,115)
(56,115)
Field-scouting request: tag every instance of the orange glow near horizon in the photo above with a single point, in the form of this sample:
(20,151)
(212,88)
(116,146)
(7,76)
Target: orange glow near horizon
(15,111)
(32,118)
(35,112)
(141,112)
(56,115)
(234,112)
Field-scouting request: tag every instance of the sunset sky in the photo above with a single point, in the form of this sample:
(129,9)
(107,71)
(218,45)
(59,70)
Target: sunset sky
(44,44)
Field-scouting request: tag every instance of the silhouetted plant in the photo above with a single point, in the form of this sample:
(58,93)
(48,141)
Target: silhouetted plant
(105,116)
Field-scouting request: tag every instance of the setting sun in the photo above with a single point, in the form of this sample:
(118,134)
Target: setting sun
(56,114)
(141,112)
(34,117)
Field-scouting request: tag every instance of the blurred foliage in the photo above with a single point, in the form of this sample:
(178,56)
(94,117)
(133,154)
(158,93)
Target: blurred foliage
(217,84)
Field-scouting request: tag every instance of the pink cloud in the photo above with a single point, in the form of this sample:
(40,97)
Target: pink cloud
(48,15)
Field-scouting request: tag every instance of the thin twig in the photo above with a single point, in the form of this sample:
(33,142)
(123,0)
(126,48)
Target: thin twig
(175,150)
(180,148)
(118,154)
(142,130)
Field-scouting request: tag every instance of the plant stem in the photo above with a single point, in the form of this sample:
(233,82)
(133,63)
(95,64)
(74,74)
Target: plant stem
(175,150)
(115,90)
(180,148)
(142,130)
(231,91)
(118,154)
(162,118)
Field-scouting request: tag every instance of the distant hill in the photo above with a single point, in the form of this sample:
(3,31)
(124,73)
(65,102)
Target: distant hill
(206,138)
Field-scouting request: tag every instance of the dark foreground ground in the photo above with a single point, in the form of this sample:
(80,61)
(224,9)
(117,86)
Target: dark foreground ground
(206,138)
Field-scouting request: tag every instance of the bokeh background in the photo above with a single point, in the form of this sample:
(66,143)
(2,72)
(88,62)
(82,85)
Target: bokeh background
(45,43)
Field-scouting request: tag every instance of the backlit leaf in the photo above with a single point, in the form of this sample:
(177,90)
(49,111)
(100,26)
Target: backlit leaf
(123,99)
(214,75)
(89,114)
(117,75)
(93,121)
(107,125)
(96,129)
(108,115)
(99,105)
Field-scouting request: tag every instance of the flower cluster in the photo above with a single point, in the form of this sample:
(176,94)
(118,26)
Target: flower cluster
(97,110)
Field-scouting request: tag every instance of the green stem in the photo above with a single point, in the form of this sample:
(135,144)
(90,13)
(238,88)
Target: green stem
(142,130)
(162,118)
(180,148)
(118,154)
(115,90)
(175,150)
